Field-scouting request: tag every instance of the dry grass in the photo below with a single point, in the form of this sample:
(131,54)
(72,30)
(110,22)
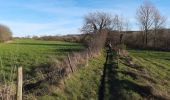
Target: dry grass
(7,92)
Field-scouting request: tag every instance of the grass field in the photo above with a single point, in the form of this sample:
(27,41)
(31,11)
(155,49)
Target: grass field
(82,85)
(30,53)
(157,66)
(146,78)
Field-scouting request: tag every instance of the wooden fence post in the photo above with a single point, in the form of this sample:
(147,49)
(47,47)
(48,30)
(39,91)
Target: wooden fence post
(118,57)
(90,52)
(70,63)
(87,59)
(19,83)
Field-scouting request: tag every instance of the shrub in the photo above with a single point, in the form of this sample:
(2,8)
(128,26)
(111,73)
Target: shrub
(5,33)
(67,38)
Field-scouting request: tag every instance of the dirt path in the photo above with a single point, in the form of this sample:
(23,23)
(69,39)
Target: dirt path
(107,74)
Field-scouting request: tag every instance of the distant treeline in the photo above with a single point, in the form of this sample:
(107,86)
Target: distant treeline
(67,38)
(159,41)
(135,39)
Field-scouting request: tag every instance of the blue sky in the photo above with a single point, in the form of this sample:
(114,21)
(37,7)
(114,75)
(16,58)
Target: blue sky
(58,17)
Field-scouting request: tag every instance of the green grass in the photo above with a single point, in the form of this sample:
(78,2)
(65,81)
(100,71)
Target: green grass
(81,85)
(148,80)
(157,64)
(30,53)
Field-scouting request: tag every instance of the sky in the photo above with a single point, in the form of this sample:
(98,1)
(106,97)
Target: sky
(61,17)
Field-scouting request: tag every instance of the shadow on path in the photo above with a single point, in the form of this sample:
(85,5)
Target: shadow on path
(114,88)
(108,64)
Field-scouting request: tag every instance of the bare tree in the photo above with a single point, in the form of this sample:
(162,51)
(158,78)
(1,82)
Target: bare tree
(145,15)
(158,23)
(118,23)
(126,29)
(96,22)
(127,25)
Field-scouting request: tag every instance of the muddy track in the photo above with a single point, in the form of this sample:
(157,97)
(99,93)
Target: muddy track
(108,64)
